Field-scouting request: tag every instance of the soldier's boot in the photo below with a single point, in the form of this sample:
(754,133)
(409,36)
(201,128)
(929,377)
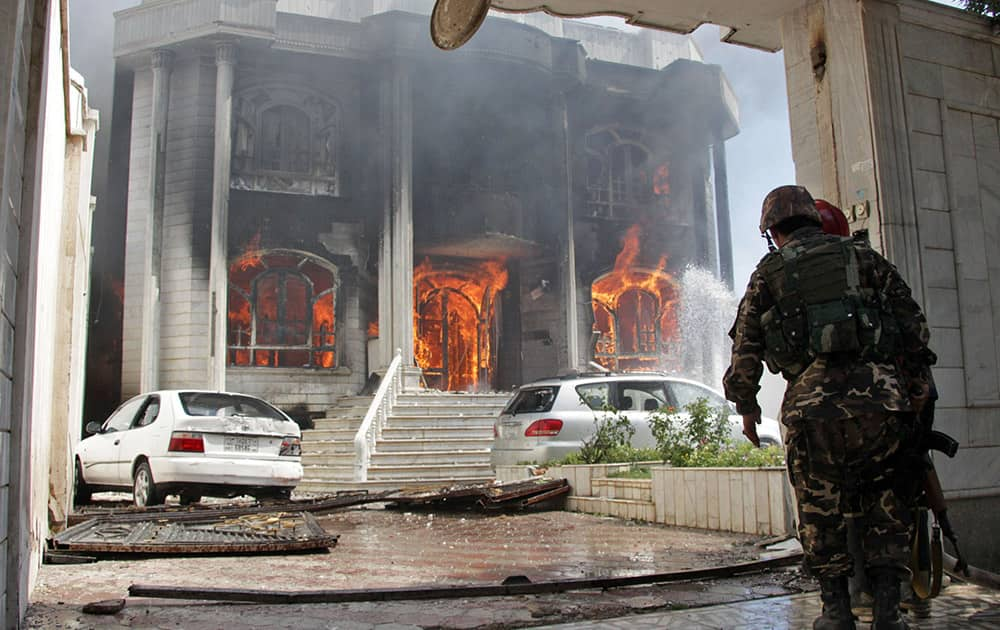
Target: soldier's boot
(885,612)
(836,605)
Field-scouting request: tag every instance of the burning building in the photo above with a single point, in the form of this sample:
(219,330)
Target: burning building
(310,186)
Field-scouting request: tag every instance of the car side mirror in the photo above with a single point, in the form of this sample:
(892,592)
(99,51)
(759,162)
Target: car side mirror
(92,427)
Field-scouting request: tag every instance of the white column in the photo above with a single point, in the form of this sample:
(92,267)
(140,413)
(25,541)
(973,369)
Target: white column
(722,222)
(397,234)
(149,378)
(569,270)
(218,274)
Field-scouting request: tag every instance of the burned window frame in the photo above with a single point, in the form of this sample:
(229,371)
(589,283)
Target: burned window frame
(320,345)
(612,194)
(314,166)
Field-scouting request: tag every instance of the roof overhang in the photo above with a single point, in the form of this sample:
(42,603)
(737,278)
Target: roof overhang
(756,24)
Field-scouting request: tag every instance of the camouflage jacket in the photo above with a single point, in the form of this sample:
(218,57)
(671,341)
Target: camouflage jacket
(833,387)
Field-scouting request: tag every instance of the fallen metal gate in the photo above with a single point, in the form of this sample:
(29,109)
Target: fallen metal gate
(252,533)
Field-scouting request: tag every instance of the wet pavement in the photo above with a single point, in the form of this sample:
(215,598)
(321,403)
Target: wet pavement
(392,548)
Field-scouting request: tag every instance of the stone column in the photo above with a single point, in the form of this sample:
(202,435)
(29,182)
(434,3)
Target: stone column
(569,256)
(218,273)
(396,268)
(722,223)
(149,377)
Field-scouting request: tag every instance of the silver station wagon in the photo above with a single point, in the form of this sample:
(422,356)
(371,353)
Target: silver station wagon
(549,419)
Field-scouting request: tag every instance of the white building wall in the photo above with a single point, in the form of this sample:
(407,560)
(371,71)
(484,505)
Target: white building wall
(70,332)
(42,317)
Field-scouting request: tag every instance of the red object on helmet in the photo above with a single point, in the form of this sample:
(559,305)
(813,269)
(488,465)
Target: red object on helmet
(834,221)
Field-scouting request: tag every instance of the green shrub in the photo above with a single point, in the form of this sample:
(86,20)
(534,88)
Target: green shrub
(637,472)
(620,455)
(612,437)
(740,455)
(705,432)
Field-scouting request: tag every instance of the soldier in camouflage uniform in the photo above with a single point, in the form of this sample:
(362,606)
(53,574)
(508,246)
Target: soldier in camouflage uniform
(837,321)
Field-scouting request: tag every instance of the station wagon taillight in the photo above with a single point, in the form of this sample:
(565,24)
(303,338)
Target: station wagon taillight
(291,446)
(186,442)
(543,428)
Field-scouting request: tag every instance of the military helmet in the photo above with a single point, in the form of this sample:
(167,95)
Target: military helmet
(785,202)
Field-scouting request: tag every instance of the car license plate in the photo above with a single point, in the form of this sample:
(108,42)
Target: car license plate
(234,444)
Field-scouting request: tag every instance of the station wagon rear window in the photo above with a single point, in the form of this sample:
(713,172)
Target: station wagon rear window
(218,404)
(532,400)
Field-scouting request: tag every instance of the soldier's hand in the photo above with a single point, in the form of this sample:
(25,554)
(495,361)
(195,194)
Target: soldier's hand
(919,395)
(750,422)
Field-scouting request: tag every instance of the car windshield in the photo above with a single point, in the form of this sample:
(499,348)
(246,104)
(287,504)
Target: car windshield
(217,404)
(533,400)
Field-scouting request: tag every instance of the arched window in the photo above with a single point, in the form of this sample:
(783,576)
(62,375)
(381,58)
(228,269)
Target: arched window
(619,181)
(634,319)
(282,311)
(285,139)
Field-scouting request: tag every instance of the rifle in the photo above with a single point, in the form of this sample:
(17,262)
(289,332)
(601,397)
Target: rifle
(930,440)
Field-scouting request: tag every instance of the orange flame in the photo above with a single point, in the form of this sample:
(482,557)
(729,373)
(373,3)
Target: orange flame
(661,180)
(634,310)
(453,319)
(251,255)
(287,325)
(373,330)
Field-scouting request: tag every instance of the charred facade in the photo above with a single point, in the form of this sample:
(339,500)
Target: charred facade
(305,194)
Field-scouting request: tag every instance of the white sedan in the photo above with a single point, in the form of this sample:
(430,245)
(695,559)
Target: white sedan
(190,443)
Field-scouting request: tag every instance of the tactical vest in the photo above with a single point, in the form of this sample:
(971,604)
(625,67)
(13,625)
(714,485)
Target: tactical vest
(822,308)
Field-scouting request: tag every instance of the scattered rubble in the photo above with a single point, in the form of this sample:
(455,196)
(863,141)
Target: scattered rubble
(267,532)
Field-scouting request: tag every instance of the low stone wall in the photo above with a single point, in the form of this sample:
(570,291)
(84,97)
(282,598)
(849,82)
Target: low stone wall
(743,500)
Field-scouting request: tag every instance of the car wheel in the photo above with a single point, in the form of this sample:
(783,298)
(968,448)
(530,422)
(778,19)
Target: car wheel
(81,491)
(188,498)
(144,490)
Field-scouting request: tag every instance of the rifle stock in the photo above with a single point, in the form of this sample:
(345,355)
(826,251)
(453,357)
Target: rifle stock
(929,440)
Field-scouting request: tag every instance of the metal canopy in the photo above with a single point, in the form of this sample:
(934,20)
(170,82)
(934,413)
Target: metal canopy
(754,23)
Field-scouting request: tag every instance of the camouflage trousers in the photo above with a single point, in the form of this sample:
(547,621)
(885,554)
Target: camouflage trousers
(849,467)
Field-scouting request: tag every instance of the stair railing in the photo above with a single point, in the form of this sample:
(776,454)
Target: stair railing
(378,412)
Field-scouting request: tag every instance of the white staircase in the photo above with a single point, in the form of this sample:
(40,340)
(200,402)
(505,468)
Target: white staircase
(430,439)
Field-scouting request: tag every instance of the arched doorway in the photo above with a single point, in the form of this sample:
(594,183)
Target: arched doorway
(456,323)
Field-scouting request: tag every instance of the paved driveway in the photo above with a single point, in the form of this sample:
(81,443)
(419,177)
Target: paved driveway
(392,548)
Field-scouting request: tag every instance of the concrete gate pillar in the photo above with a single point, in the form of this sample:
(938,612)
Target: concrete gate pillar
(149,377)
(849,133)
(218,274)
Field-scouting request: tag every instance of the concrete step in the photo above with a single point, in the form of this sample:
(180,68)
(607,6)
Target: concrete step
(442,444)
(328,459)
(324,447)
(335,424)
(430,458)
(328,472)
(444,409)
(417,432)
(398,420)
(433,395)
(323,435)
(424,472)
(621,508)
(325,486)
